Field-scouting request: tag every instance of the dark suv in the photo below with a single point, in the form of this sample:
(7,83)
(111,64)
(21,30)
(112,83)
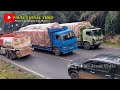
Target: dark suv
(99,67)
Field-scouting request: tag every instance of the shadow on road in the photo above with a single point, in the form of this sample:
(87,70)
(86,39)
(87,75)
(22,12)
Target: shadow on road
(23,58)
(51,53)
(44,51)
(92,48)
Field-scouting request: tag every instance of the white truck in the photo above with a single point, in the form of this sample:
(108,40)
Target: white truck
(14,45)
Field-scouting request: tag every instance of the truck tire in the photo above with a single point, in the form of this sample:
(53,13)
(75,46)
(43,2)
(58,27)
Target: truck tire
(86,45)
(74,75)
(57,51)
(97,46)
(12,55)
(7,53)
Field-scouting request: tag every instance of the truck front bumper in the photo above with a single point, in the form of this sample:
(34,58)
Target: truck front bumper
(69,49)
(24,52)
(97,43)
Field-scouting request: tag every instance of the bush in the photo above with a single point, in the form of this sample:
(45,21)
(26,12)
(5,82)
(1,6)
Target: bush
(112,40)
(112,23)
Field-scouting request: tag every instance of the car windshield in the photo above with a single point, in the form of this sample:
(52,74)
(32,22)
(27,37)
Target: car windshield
(67,36)
(97,32)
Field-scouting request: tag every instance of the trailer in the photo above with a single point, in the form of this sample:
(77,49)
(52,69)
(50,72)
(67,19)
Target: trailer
(14,46)
(51,37)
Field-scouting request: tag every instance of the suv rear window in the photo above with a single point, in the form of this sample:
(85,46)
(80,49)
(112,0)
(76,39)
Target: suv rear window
(102,66)
(97,65)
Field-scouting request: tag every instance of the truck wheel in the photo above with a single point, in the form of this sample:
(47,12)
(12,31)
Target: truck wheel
(7,53)
(86,45)
(97,46)
(12,55)
(57,52)
(74,75)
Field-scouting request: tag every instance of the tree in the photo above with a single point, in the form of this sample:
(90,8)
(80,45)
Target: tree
(112,23)
(58,16)
(72,17)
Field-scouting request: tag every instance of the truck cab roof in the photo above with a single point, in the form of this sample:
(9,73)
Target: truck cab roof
(61,32)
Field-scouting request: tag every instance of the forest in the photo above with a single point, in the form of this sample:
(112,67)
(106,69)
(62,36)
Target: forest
(108,21)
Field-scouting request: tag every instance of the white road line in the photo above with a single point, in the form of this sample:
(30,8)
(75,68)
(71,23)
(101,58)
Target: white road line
(28,70)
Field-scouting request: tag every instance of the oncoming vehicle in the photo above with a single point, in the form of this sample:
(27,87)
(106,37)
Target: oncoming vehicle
(100,67)
(87,35)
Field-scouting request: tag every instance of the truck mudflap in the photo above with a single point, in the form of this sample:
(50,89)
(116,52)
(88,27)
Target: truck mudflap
(24,52)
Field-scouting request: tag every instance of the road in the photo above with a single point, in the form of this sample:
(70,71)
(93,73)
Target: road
(49,66)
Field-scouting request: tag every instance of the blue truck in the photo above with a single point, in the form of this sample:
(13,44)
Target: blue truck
(62,40)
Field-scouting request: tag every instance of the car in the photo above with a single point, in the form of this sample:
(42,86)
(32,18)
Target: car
(103,66)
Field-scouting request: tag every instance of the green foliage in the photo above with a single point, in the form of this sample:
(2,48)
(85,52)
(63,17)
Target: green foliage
(112,23)
(58,16)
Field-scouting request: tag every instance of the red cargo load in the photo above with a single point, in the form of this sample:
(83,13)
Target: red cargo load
(38,33)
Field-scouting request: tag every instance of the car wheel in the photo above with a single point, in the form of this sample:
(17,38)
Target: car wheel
(86,45)
(57,51)
(74,75)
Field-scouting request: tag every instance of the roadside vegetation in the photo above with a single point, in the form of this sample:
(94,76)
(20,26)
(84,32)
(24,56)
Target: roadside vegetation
(112,41)
(9,71)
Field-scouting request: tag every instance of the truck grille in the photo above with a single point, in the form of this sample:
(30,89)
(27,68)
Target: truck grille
(98,40)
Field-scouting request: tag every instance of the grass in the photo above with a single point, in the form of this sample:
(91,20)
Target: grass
(112,41)
(9,71)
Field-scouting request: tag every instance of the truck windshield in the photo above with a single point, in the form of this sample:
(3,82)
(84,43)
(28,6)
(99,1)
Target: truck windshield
(67,36)
(97,32)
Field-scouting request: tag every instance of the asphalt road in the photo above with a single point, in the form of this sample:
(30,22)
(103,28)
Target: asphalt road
(49,66)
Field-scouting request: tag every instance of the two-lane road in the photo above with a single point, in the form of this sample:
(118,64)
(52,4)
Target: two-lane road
(48,65)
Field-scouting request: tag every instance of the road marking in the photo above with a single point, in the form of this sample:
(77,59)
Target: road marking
(55,57)
(28,70)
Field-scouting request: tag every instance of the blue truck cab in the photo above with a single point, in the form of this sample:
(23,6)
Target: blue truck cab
(62,40)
